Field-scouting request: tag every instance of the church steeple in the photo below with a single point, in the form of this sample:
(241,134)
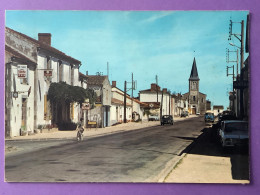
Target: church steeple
(194,73)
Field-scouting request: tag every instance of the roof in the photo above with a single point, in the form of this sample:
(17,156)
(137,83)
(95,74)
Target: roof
(95,79)
(82,75)
(218,107)
(117,101)
(194,72)
(19,56)
(151,90)
(46,46)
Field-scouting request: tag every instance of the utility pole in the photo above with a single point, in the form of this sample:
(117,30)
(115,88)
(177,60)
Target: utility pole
(125,104)
(161,106)
(169,103)
(156,78)
(107,70)
(241,76)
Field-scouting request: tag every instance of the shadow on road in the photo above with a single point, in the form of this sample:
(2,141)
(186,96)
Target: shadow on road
(208,144)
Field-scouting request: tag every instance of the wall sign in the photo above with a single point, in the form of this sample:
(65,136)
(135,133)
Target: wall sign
(22,71)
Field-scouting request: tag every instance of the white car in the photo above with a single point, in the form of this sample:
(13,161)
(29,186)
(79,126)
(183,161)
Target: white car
(233,133)
(153,118)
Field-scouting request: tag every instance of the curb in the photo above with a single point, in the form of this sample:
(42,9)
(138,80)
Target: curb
(170,166)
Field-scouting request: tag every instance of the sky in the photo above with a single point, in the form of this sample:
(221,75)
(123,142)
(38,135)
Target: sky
(145,43)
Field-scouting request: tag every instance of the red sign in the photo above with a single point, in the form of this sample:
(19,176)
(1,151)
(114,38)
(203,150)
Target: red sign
(47,73)
(22,71)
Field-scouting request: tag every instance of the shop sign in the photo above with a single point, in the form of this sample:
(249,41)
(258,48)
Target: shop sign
(22,71)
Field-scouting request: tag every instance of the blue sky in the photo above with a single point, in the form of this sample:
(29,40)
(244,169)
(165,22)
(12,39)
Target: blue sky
(147,43)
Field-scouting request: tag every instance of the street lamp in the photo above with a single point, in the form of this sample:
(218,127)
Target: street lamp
(234,45)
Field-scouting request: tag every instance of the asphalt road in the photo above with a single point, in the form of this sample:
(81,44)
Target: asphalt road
(133,156)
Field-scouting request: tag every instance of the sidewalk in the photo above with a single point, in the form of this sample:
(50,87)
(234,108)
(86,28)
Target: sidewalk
(204,163)
(92,132)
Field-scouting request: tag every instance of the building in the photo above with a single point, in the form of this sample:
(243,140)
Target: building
(218,109)
(27,106)
(134,110)
(180,104)
(208,105)
(101,112)
(196,99)
(159,101)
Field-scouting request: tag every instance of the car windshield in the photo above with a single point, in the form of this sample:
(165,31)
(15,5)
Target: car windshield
(209,114)
(164,117)
(229,127)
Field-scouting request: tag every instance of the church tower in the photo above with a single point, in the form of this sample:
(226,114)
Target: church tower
(194,89)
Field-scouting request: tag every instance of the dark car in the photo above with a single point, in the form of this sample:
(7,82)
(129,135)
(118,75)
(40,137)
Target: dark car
(209,117)
(216,126)
(184,114)
(167,119)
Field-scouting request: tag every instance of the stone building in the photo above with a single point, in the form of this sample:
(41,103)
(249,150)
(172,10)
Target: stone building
(196,99)
(101,113)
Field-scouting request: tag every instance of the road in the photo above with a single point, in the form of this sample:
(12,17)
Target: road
(133,156)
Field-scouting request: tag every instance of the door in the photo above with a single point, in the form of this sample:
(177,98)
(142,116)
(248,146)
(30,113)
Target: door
(24,113)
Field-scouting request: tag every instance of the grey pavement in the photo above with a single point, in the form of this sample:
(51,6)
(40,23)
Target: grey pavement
(142,155)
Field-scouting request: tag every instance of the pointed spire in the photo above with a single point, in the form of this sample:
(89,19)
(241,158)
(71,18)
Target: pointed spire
(194,73)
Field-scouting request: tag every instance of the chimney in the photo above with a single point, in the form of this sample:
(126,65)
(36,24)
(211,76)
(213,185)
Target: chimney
(45,38)
(154,87)
(113,83)
(164,90)
(87,73)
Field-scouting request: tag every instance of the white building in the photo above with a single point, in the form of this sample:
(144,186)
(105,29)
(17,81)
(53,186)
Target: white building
(156,95)
(134,112)
(31,108)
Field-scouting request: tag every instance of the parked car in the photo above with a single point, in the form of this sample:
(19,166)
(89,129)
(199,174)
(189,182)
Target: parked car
(216,126)
(184,114)
(209,117)
(153,117)
(233,133)
(167,119)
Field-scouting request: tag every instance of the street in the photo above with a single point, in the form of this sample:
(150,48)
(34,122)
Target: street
(134,156)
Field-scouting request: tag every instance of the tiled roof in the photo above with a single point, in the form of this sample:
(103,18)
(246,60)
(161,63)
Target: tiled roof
(19,55)
(117,101)
(95,79)
(82,75)
(46,46)
(218,107)
(150,90)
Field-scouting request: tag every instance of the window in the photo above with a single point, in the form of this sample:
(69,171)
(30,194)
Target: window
(194,98)
(202,100)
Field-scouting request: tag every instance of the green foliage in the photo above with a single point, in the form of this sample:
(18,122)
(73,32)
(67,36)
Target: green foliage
(62,92)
